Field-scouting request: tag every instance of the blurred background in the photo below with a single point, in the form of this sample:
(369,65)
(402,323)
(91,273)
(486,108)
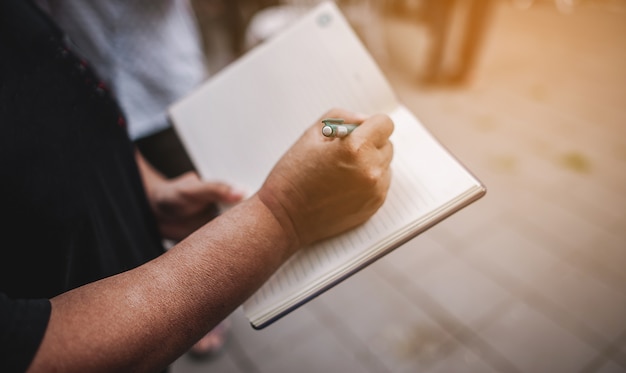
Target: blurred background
(531,96)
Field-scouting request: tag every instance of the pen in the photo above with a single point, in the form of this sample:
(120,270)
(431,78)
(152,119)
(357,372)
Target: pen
(335,127)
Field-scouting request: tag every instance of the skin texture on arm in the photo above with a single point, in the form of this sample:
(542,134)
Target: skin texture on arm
(145,318)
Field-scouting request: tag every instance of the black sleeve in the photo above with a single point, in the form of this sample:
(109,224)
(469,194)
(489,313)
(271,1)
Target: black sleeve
(23,323)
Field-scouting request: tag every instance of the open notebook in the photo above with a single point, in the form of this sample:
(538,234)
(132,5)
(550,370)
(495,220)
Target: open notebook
(238,124)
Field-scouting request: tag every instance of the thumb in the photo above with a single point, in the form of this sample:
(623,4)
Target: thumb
(209,191)
(220,192)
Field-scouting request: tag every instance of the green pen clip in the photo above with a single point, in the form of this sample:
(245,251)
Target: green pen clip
(335,127)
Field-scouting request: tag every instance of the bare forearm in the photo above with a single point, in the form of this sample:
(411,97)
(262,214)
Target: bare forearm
(148,316)
(145,318)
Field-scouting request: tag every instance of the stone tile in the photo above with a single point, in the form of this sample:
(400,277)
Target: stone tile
(592,302)
(561,132)
(417,257)
(463,291)
(391,327)
(221,364)
(298,342)
(598,201)
(512,253)
(610,250)
(525,269)
(461,360)
(314,352)
(359,300)
(365,303)
(563,224)
(533,343)
(291,329)
(450,325)
(522,202)
(611,367)
(596,262)
(600,253)
(410,346)
(619,356)
(603,162)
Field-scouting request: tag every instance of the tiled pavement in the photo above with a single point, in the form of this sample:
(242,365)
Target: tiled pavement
(532,278)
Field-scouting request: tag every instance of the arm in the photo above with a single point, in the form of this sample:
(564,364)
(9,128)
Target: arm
(143,319)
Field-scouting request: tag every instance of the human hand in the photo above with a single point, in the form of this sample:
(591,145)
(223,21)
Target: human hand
(185,203)
(323,186)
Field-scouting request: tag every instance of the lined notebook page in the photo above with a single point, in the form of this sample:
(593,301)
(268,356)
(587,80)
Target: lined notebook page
(254,109)
(425,178)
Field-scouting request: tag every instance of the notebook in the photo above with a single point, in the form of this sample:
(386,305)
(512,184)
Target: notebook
(238,124)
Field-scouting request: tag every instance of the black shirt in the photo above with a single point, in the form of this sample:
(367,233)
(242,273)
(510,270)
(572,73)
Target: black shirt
(74,207)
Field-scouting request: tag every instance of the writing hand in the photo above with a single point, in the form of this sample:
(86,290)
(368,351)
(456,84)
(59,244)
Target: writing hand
(323,186)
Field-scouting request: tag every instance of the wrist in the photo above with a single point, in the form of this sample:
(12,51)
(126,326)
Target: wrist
(279,213)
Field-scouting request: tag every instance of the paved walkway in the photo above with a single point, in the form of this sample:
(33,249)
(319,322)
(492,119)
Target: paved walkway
(530,279)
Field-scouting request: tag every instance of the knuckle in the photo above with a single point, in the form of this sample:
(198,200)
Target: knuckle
(373,176)
(372,181)
(357,147)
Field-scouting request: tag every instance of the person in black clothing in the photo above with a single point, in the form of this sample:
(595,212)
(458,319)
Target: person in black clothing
(85,284)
